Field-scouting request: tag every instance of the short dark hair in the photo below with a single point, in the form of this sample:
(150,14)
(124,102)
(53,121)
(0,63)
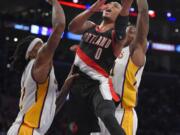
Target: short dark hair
(19,61)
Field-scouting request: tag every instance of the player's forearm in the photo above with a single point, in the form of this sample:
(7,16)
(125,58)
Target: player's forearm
(142,21)
(58,16)
(78,22)
(122,20)
(61,98)
(126,4)
(58,22)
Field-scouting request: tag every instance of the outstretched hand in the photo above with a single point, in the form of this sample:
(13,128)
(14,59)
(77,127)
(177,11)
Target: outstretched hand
(126,4)
(98,6)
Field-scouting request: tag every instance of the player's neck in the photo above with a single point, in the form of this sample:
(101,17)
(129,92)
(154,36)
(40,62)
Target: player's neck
(105,25)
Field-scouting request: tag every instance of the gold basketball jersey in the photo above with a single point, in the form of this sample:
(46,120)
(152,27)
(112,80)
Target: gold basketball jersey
(37,103)
(126,78)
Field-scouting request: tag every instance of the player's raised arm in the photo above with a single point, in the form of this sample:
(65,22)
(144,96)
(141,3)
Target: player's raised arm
(44,59)
(139,45)
(80,23)
(126,5)
(122,22)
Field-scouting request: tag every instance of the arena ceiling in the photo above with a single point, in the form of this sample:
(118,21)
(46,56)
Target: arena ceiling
(26,11)
(19,5)
(9,6)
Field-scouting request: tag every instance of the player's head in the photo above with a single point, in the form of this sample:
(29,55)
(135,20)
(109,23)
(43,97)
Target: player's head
(27,49)
(112,11)
(130,33)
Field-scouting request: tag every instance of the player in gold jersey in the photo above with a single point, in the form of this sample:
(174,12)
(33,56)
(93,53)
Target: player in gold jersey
(34,59)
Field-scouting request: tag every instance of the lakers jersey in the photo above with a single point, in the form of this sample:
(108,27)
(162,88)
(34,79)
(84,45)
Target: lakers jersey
(126,78)
(37,103)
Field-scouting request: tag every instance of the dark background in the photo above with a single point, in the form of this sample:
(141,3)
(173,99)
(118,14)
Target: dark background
(159,103)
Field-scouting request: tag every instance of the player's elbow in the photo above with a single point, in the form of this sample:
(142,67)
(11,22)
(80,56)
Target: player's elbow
(59,23)
(140,62)
(141,39)
(72,27)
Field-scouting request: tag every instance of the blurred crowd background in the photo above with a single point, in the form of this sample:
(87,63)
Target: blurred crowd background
(158,104)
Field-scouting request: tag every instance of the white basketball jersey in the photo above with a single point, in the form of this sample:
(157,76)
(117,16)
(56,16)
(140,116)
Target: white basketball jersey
(126,78)
(37,102)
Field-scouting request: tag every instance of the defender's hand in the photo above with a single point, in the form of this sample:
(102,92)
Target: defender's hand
(69,80)
(73,48)
(98,6)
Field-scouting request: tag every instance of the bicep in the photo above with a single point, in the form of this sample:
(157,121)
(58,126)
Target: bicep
(138,53)
(46,53)
(87,25)
(44,59)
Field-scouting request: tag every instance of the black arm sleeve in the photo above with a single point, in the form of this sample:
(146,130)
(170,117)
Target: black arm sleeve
(120,27)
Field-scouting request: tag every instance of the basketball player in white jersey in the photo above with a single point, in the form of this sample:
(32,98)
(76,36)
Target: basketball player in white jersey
(34,59)
(128,71)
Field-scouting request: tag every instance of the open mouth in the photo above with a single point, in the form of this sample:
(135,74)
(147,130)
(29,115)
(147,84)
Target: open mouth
(109,10)
(133,30)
